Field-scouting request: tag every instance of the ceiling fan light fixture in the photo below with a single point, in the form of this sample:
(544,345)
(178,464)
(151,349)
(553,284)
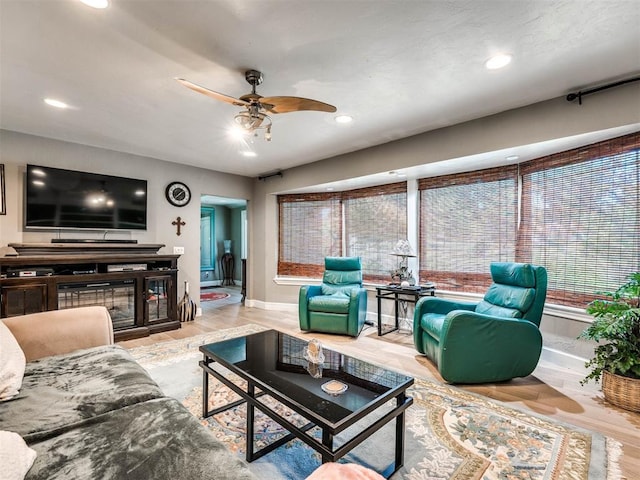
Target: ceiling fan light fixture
(238,133)
(252,120)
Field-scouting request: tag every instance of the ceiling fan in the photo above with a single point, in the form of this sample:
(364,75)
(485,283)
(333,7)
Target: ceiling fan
(257,108)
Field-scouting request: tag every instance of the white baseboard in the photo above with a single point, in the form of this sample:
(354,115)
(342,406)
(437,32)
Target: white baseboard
(287,307)
(561,359)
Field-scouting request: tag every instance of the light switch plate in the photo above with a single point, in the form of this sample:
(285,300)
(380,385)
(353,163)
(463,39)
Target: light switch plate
(178,250)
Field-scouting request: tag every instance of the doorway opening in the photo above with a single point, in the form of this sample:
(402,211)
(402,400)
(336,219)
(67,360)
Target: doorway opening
(223,251)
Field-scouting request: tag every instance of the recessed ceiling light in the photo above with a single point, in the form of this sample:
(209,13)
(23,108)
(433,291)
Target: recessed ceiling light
(55,103)
(96,3)
(249,153)
(498,61)
(343,119)
(513,157)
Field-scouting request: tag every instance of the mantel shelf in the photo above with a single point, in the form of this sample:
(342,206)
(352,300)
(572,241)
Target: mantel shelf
(28,249)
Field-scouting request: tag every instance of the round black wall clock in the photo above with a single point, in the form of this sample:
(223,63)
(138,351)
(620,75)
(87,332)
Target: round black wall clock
(178,194)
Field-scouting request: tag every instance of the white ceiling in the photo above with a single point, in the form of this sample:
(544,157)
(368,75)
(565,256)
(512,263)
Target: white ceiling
(398,67)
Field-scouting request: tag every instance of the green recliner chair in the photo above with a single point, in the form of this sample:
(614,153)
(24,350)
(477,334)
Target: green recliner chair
(339,305)
(494,340)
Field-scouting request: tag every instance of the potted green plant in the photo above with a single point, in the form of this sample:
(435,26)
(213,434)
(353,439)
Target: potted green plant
(616,328)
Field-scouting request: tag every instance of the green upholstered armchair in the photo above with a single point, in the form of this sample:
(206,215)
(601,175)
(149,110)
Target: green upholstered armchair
(339,305)
(494,340)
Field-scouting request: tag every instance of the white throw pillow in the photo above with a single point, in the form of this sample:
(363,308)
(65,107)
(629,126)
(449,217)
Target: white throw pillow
(16,457)
(12,363)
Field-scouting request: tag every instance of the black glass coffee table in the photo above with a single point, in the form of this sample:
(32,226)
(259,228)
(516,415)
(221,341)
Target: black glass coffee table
(272,364)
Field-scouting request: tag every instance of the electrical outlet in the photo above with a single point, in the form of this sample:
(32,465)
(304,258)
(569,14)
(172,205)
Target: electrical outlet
(178,250)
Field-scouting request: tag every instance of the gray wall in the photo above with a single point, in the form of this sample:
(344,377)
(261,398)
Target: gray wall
(17,150)
(540,122)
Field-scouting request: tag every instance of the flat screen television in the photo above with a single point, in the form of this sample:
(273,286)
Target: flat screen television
(57,198)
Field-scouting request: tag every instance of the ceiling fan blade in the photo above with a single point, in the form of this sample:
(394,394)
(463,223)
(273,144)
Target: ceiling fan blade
(212,94)
(294,104)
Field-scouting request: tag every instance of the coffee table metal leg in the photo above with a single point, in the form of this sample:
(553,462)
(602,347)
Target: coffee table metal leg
(327,441)
(395,302)
(400,399)
(205,394)
(250,415)
(379,316)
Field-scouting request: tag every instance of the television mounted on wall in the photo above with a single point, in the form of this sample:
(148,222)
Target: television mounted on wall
(57,198)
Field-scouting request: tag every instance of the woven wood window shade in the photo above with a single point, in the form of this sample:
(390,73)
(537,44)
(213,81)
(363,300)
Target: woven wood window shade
(581,218)
(310,228)
(467,220)
(375,219)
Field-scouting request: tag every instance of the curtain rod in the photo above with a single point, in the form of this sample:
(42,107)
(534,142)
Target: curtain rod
(269,175)
(572,96)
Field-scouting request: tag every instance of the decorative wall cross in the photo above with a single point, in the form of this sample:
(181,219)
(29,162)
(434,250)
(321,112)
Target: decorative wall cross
(178,223)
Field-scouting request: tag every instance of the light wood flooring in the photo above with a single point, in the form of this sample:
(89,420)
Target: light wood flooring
(550,391)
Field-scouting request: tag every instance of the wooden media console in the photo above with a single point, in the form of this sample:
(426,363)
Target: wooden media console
(137,285)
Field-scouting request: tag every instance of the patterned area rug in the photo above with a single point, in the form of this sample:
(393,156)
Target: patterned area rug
(210,296)
(450,433)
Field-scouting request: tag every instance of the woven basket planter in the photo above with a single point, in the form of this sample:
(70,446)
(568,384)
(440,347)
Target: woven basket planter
(623,392)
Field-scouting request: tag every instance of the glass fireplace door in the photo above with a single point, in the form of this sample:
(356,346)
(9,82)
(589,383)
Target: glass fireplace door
(118,296)
(157,302)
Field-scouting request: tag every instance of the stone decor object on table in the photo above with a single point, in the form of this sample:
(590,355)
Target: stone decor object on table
(314,355)
(334,387)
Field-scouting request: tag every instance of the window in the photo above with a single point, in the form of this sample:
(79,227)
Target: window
(310,229)
(581,218)
(375,219)
(467,221)
(577,213)
(310,225)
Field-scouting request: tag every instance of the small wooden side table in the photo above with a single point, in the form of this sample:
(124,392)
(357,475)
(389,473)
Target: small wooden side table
(400,294)
(227,265)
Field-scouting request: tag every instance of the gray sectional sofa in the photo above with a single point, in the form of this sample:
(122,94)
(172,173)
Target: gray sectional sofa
(91,412)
